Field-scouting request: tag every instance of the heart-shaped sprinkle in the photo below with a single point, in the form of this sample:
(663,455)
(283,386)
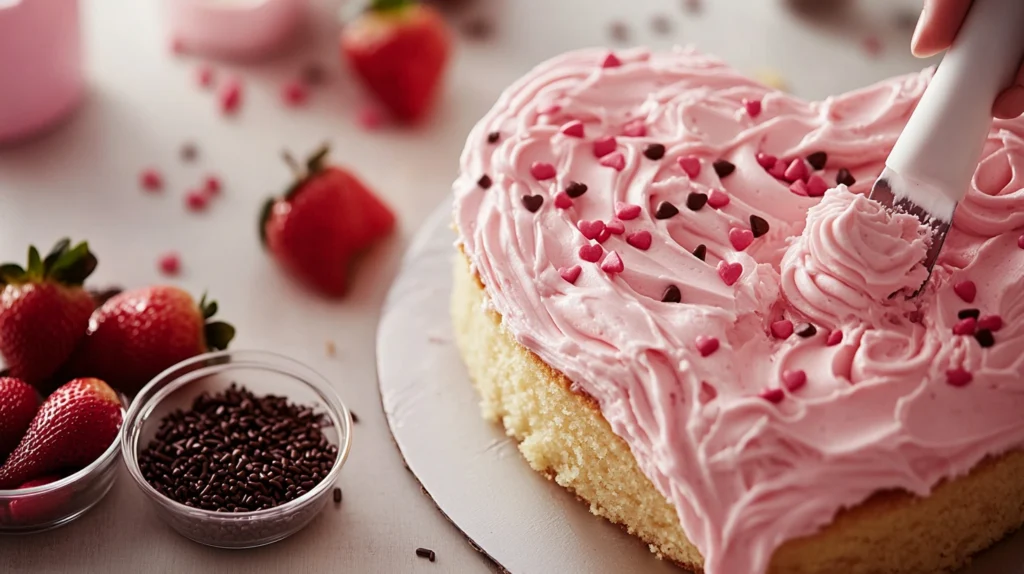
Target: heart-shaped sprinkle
(799,188)
(816,186)
(562,200)
(965,326)
(740,238)
(493,137)
(665,210)
(778,171)
(965,313)
(806,330)
(818,160)
(542,170)
(484,182)
(966,290)
(591,252)
(991,322)
(706,345)
(844,177)
(671,295)
(612,263)
(782,329)
(615,227)
(575,189)
(696,200)
(723,168)
(707,393)
(753,107)
(604,146)
(604,235)
(590,229)
(834,338)
(729,272)
(959,377)
(611,61)
(626,211)
(794,380)
(654,151)
(690,165)
(1020,242)
(985,338)
(570,274)
(701,252)
(759,226)
(614,160)
(765,160)
(532,202)
(773,396)
(796,170)
(717,199)
(635,129)
(573,129)
(640,239)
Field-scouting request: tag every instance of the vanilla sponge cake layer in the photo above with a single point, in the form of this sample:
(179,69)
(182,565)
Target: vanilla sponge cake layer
(563,435)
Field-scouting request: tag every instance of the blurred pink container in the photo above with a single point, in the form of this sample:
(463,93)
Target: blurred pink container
(241,29)
(40,65)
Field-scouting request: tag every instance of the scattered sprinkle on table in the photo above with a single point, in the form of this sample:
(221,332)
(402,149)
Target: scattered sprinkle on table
(426,553)
(337,495)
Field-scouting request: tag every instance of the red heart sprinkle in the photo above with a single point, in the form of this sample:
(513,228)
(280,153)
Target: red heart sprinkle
(562,200)
(294,93)
(611,61)
(170,263)
(211,185)
(959,377)
(799,188)
(773,396)
(816,186)
(590,229)
(573,129)
(991,322)
(615,160)
(729,272)
(542,170)
(706,345)
(612,263)
(230,96)
(640,239)
(753,107)
(635,129)
(370,118)
(797,170)
(718,199)
(591,252)
(966,290)
(765,160)
(604,146)
(605,234)
(778,171)
(740,238)
(794,380)
(1020,242)
(782,329)
(966,326)
(196,200)
(616,227)
(834,338)
(151,180)
(690,165)
(570,274)
(626,211)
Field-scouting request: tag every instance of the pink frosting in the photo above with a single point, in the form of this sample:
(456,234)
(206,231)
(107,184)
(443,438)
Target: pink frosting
(876,412)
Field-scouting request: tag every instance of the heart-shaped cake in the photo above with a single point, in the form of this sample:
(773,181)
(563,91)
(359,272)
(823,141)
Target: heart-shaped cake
(675,294)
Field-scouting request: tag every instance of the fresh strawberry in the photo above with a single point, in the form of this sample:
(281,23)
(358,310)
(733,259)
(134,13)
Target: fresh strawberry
(400,49)
(44,311)
(137,334)
(325,219)
(39,508)
(75,425)
(18,405)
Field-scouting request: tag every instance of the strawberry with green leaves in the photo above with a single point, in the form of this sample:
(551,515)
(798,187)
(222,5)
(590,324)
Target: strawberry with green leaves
(44,311)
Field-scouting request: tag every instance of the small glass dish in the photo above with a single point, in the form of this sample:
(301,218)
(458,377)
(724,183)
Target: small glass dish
(263,373)
(50,506)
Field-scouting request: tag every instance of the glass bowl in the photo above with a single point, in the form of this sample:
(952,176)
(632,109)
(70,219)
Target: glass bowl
(262,373)
(53,505)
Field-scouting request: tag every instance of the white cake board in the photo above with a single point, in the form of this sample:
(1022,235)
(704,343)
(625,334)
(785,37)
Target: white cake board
(473,472)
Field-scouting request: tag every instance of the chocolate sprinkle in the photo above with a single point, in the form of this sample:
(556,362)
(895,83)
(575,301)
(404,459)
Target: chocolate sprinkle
(965,313)
(985,338)
(575,189)
(532,202)
(818,159)
(806,330)
(665,210)
(493,137)
(701,252)
(355,419)
(478,28)
(660,24)
(426,553)
(484,181)
(844,177)
(758,225)
(313,74)
(654,151)
(619,31)
(337,495)
(189,152)
(723,167)
(672,295)
(696,200)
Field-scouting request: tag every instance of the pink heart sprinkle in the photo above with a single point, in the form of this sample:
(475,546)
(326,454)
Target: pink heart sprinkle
(967,326)
(590,229)
(573,129)
(778,171)
(570,274)
(635,129)
(959,377)
(170,263)
(294,93)
(991,322)
(966,290)
(151,180)
(753,107)
(690,165)
(612,263)
(591,252)
(797,170)
(729,272)
(205,75)
(799,188)
(740,238)
(834,338)
(562,200)
(626,211)
(542,170)
(765,160)
(782,329)
(718,199)
(605,234)
(611,61)
(230,96)
(640,239)
(604,146)
(706,345)
(616,227)
(816,186)
(773,396)
(615,160)
(370,118)
(794,380)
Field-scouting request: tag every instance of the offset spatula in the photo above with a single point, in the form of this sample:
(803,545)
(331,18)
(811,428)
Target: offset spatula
(930,168)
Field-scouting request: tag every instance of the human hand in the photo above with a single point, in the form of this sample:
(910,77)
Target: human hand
(939,23)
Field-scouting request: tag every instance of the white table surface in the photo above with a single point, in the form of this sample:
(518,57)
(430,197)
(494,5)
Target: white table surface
(143,104)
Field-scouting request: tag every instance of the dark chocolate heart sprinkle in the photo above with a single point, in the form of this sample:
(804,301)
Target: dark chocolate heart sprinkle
(484,181)
(532,202)
(985,338)
(844,177)
(758,225)
(672,295)
(723,168)
(665,210)
(189,151)
(696,200)
(701,252)
(965,313)
(493,137)
(806,330)
(575,189)
(654,151)
(818,159)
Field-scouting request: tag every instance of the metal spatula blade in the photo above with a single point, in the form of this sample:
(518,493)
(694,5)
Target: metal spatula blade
(897,194)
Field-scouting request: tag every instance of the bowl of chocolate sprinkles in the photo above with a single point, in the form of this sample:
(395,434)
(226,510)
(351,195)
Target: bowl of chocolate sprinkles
(237,449)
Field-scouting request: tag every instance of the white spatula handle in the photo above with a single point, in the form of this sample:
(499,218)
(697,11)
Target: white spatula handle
(943,141)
